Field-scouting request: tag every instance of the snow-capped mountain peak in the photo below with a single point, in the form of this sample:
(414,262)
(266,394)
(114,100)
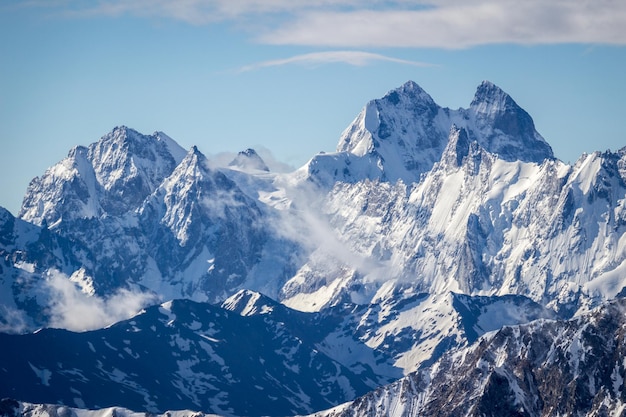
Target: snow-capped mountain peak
(124,152)
(248,303)
(403,134)
(411,96)
(398,136)
(111,176)
(504,128)
(248,160)
(129,166)
(195,161)
(490,98)
(404,109)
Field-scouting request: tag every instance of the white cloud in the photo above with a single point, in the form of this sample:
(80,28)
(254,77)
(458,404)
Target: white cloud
(306,224)
(74,310)
(356,58)
(452,24)
(13,320)
(401,23)
(190,11)
(270,160)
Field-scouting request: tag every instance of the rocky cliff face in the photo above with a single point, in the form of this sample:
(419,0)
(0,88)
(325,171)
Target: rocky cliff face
(546,368)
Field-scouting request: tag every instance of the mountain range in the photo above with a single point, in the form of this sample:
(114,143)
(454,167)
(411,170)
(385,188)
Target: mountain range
(433,250)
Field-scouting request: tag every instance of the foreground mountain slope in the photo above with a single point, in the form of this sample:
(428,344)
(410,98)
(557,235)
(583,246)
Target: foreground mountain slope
(250,356)
(182,355)
(13,408)
(546,368)
(389,336)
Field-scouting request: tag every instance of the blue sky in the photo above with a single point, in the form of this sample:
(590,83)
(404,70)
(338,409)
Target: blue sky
(288,75)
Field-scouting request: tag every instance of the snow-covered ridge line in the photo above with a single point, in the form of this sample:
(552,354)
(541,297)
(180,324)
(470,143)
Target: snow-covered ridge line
(13,408)
(403,134)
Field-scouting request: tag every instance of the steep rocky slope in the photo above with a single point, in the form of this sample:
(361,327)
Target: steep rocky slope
(546,368)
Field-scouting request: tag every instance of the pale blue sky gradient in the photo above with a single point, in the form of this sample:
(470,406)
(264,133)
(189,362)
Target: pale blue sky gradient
(228,75)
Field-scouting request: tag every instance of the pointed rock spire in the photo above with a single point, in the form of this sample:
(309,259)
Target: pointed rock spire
(504,128)
(458,147)
(490,98)
(409,92)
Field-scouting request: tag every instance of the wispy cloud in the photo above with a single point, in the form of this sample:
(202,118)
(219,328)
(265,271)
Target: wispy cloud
(356,58)
(73,310)
(400,23)
(190,11)
(454,24)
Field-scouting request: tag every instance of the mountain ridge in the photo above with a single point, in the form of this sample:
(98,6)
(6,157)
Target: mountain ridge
(149,244)
(209,358)
(426,229)
(405,133)
(110,176)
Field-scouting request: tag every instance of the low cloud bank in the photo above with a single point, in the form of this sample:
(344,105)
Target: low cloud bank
(71,309)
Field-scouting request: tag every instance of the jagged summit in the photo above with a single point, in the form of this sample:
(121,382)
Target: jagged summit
(194,153)
(248,303)
(110,176)
(125,152)
(203,225)
(504,128)
(489,97)
(458,147)
(409,91)
(404,133)
(134,143)
(247,160)
(379,118)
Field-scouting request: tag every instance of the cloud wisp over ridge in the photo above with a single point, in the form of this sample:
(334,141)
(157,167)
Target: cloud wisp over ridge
(446,24)
(355,58)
